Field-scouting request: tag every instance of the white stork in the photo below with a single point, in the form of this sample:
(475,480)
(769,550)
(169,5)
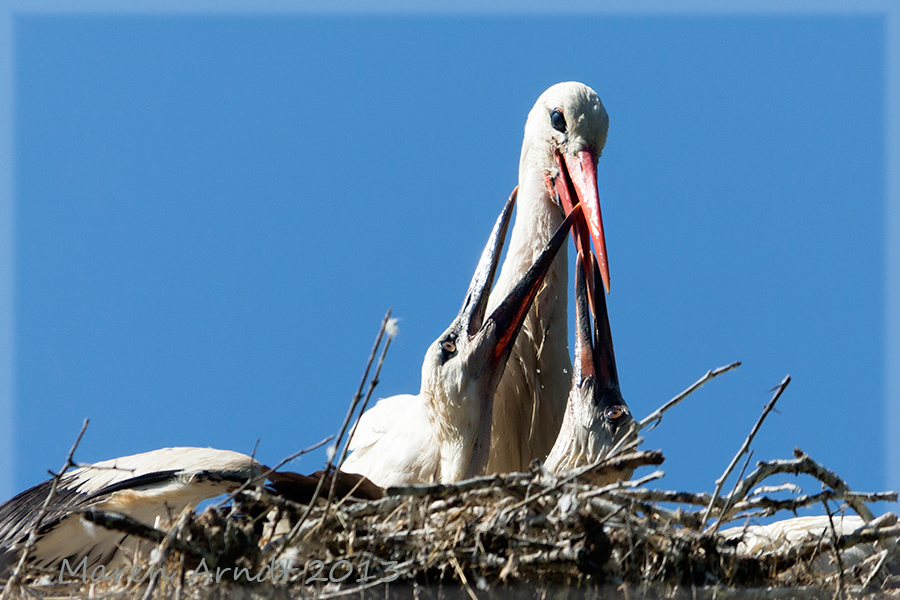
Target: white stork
(153,488)
(597,417)
(443,434)
(150,487)
(751,541)
(564,136)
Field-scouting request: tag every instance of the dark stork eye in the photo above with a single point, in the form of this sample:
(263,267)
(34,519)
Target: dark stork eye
(614,414)
(558,120)
(448,347)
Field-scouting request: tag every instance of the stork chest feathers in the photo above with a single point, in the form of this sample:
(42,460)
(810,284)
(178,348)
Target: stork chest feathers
(531,397)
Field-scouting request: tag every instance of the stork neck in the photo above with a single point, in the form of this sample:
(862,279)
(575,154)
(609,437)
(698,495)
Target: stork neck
(537,218)
(456,425)
(538,214)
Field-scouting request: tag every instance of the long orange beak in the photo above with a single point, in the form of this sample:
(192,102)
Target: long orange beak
(577,184)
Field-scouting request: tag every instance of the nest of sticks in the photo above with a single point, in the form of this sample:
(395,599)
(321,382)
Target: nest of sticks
(535,534)
(491,535)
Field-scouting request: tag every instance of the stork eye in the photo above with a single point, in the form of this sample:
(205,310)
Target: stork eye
(613,414)
(558,120)
(448,347)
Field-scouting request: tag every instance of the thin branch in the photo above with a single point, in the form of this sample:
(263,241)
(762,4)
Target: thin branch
(620,485)
(358,395)
(837,552)
(163,551)
(462,577)
(745,447)
(771,489)
(806,465)
(730,498)
(372,384)
(32,536)
(773,505)
(669,496)
(832,480)
(444,490)
(655,417)
(286,540)
(266,471)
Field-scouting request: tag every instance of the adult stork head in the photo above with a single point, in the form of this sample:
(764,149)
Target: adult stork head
(463,367)
(597,418)
(564,136)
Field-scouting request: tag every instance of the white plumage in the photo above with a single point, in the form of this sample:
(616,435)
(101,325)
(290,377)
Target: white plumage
(148,486)
(780,536)
(444,432)
(531,398)
(395,443)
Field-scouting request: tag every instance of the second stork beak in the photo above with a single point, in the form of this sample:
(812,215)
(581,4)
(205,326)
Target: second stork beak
(510,314)
(577,184)
(486,343)
(475,305)
(594,355)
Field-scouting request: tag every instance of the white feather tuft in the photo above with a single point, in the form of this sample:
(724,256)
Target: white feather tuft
(391,327)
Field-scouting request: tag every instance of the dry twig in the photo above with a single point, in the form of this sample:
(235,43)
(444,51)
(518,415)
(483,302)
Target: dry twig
(655,417)
(744,448)
(374,382)
(331,455)
(32,536)
(163,552)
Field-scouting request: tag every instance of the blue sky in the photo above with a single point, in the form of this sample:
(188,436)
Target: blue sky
(213,214)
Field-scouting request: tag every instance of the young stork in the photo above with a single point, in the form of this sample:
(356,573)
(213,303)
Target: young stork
(151,486)
(564,136)
(751,541)
(443,434)
(597,418)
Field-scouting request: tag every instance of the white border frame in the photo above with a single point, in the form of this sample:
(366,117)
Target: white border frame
(888,10)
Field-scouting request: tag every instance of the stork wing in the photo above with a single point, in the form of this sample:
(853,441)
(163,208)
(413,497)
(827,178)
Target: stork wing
(148,486)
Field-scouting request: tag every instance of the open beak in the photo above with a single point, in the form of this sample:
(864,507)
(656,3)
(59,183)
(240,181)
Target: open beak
(488,341)
(475,304)
(506,320)
(577,184)
(510,314)
(594,355)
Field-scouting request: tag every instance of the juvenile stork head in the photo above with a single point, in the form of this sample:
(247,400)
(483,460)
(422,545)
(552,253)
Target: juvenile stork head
(597,420)
(564,137)
(463,367)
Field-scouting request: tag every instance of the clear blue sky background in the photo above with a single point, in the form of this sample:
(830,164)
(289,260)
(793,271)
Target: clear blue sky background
(213,214)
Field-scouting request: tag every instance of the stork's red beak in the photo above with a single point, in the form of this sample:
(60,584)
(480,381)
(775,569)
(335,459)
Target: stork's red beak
(577,184)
